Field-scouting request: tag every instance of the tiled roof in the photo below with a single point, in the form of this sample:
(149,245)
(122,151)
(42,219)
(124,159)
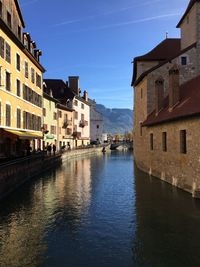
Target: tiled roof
(144,74)
(190,5)
(188,106)
(59,89)
(165,50)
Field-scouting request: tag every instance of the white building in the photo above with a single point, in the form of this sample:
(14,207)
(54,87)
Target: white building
(96,123)
(81,106)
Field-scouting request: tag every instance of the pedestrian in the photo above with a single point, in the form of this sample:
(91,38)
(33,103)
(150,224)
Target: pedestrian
(49,148)
(54,149)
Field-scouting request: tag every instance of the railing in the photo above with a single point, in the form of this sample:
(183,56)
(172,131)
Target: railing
(67,123)
(77,134)
(83,123)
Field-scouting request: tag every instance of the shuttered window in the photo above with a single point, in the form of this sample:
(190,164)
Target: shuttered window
(8,53)
(18,118)
(8,81)
(26,69)
(2,47)
(18,62)
(8,115)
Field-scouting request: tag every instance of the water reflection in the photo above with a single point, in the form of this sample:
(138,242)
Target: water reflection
(168,222)
(99,212)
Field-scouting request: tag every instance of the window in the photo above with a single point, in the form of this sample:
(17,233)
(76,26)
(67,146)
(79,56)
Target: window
(32,75)
(82,105)
(140,128)
(82,117)
(31,121)
(183,141)
(19,32)
(26,69)
(60,114)
(8,58)
(44,112)
(8,81)
(151,141)
(38,80)
(2,47)
(97,126)
(76,115)
(75,103)
(18,62)
(141,93)
(31,96)
(18,118)
(164,141)
(9,22)
(1,9)
(183,61)
(55,116)
(53,129)
(8,115)
(18,88)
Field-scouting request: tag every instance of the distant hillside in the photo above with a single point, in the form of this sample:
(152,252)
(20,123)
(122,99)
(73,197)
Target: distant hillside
(116,120)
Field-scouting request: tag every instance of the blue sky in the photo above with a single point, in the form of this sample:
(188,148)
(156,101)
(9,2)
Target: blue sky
(97,40)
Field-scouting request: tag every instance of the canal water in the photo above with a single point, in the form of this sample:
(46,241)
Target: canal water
(99,212)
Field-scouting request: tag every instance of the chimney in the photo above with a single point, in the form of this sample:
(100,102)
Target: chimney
(174,88)
(85,95)
(159,94)
(74,84)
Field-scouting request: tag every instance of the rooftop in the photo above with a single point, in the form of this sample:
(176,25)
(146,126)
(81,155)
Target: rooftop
(187,107)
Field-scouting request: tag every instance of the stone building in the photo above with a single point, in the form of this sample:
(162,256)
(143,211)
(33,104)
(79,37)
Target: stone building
(20,84)
(167,111)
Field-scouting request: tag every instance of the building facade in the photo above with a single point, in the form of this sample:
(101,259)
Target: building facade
(96,123)
(167,113)
(20,84)
(50,120)
(65,127)
(81,108)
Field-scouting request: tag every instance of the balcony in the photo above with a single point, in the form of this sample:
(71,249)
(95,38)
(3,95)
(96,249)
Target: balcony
(67,123)
(83,123)
(77,135)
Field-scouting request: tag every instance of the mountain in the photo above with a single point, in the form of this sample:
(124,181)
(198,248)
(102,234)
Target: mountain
(116,120)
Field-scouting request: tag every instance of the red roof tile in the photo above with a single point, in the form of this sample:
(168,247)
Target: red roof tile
(188,106)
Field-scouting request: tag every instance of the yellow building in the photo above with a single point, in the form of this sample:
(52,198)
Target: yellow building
(20,84)
(50,121)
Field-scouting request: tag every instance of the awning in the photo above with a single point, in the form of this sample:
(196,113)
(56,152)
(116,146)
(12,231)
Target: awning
(50,136)
(25,135)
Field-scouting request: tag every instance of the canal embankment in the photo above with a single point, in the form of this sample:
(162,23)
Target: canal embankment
(81,152)
(16,172)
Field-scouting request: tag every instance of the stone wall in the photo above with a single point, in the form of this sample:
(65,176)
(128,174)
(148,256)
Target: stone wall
(15,173)
(174,167)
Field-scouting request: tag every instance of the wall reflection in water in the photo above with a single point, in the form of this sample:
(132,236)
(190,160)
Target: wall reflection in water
(168,221)
(61,198)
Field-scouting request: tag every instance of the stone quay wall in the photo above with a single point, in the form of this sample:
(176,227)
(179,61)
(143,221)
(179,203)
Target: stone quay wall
(172,166)
(15,173)
(71,154)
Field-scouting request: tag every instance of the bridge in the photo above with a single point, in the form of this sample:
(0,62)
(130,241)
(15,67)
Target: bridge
(122,145)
